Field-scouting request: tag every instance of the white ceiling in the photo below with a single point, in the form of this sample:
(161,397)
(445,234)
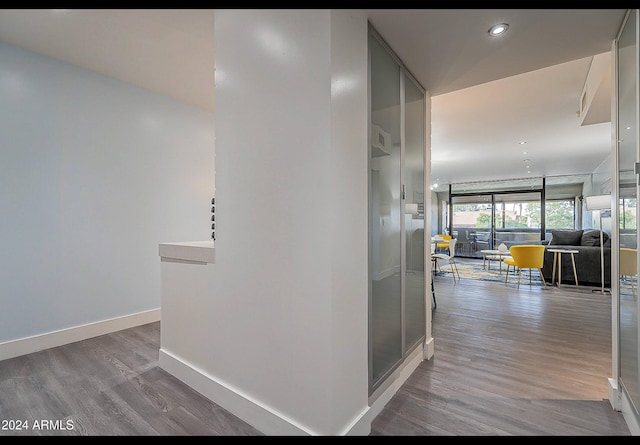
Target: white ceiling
(168,51)
(487,94)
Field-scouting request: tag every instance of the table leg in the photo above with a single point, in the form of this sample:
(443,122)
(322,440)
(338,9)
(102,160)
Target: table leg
(559,269)
(575,274)
(553,269)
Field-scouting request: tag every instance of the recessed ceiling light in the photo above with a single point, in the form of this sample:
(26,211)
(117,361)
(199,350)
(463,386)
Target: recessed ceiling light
(522,142)
(498,30)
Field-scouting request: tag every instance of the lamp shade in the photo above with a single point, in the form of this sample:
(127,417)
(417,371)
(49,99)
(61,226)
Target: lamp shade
(598,202)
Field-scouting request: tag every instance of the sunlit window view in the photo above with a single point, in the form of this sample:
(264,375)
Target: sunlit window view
(486,221)
(628,213)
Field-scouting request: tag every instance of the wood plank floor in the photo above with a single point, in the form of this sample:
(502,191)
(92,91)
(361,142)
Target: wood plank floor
(508,362)
(108,386)
(511,362)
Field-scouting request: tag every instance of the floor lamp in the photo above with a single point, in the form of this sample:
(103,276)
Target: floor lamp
(600,203)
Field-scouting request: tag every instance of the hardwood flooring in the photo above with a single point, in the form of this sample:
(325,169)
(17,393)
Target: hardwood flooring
(512,362)
(507,362)
(107,386)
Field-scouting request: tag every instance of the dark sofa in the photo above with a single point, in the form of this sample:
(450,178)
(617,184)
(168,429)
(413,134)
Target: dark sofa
(587,243)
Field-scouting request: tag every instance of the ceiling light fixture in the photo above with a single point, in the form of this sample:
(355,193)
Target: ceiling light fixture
(498,30)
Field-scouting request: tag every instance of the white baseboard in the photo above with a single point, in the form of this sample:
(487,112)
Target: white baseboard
(361,425)
(263,418)
(393,383)
(28,345)
(429,348)
(629,414)
(614,395)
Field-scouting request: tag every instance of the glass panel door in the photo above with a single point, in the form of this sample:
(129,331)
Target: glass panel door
(385,216)
(517,219)
(413,178)
(627,129)
(397,303)
(472,224)
(485,221)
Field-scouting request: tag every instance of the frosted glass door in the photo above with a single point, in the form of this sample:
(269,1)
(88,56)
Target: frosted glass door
(413,178)
(385,216)
(627,60)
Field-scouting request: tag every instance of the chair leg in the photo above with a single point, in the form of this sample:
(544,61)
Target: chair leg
(519,276)
(507,276)
(542,277)
(433,291)
(455,266)
(452,270)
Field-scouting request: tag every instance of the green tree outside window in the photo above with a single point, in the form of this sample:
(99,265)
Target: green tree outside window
(559,214)
(628,220)
(484,220)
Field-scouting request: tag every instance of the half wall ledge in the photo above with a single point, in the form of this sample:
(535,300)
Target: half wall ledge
(189,251)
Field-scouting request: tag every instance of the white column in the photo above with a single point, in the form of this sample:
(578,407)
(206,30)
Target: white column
(276,330)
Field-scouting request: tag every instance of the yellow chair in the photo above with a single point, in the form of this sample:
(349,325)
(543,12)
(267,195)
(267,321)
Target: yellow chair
(443,245)
(629,266)
(525,256)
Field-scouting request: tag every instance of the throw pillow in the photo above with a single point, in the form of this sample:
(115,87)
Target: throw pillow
(592,238)
(566,237)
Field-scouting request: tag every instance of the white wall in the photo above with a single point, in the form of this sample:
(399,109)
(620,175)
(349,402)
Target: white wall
(286,300)
(94,173)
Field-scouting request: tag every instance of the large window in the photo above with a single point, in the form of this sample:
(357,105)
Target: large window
(485,221)
(518,218)
(472,216)
(560,214)
(484,215)
(628,213)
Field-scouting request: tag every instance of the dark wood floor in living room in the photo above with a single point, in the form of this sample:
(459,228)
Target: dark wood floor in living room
(513,362)
(507,362)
